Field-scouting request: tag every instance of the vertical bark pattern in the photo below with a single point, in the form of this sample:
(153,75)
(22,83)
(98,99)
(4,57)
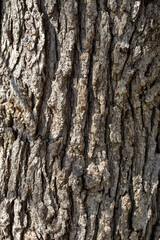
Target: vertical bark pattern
(79,120)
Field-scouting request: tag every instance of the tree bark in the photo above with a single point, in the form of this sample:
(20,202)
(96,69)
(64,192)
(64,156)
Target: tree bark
(79,120)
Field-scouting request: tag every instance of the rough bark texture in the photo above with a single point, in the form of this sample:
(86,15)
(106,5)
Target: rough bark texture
(79,119)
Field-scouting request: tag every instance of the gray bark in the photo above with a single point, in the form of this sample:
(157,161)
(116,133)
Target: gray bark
(79,120)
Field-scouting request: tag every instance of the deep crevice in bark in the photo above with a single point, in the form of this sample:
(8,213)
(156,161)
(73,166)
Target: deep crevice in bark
(11,215)
(69,107)
(145,157)
(131,212)
(117,195)
(158,140)
(97,223)
(90,100)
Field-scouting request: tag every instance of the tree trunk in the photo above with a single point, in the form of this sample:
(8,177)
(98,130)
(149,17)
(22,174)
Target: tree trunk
(79,120)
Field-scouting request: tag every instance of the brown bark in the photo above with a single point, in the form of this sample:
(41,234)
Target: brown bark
(79,120)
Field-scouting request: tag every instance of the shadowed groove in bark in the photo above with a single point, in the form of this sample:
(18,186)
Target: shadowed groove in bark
(47,84)
(145,157)
(97,223)
(158,140)
(146,2)
(110,65)
(131,212)
(89,102)
(130,96)
(11,214)
(110,92)
(117,195)
(18,176)
(69,107)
